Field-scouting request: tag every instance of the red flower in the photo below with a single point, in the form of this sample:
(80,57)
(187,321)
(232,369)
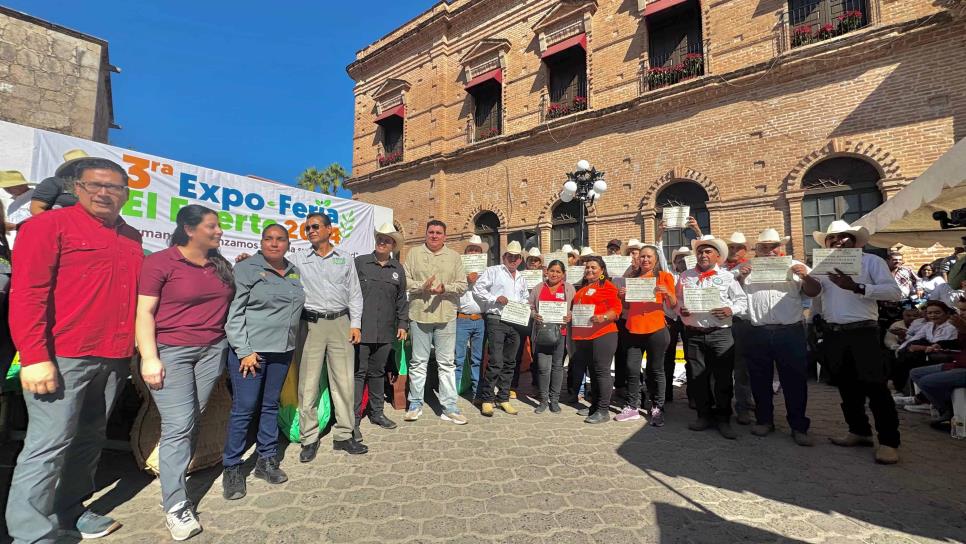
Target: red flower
(827,27)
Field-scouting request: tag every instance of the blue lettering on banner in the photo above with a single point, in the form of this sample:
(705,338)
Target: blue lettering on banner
(228,198)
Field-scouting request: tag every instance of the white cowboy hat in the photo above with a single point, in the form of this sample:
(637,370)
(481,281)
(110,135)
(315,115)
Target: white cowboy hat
(388,230)
(534,252)
(475,240)
(771,236)
(513,248)
(683,251)
(738,238)
(633,243)
(709,240)
(568,249)
(861,234)
(586,252)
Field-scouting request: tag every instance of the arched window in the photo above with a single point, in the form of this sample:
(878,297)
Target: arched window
(488,227)
(843,188)
(684,193)
(564,225)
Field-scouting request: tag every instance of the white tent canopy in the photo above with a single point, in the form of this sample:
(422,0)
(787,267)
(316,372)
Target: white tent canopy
(906,218)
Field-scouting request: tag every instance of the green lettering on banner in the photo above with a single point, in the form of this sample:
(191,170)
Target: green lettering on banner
(176,204)
(141,204)
(225,220)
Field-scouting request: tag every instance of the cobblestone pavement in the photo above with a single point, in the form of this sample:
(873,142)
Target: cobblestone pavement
(552,478)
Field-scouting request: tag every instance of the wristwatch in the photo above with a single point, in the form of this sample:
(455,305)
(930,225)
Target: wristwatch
(860,289)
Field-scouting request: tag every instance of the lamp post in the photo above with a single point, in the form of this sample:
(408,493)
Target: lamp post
(587,185)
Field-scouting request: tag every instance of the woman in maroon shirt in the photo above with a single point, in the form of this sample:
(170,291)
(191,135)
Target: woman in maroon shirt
(183,300)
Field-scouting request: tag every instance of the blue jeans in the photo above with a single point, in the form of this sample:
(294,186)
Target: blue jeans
(938,384)
(784,346)
(472,331)
(426,337)
(255,397)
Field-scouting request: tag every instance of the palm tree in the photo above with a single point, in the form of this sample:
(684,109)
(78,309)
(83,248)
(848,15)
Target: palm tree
(326,181)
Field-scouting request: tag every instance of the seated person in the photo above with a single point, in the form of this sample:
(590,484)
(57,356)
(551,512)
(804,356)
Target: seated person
(936,382)
(934,336)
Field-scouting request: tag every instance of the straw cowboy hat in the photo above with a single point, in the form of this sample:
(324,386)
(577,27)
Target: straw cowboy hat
(738,238)
(633,243)
(71,158)
(534,252)
(771,236)
(568,249)
(475,240)
(861,234)
(11,178)
(388,230)
(717,243)
(586,252)
(683,251)
(513,248)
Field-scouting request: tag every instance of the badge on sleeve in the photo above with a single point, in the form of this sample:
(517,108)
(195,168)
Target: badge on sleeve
(395,276)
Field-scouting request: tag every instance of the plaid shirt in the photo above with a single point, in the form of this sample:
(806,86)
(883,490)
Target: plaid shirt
(906,279)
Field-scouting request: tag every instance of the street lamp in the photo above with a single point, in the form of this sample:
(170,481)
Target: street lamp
(587,185)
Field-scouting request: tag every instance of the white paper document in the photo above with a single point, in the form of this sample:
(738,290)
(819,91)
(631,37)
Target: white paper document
(475,262)
(533,277)
(517,313)
(552,312)
(769,269)
(617,264)
(676,217)
(848,260)
(575,274)
(690,261)
(702,299)
(555,256)
(580,315)
(640,289)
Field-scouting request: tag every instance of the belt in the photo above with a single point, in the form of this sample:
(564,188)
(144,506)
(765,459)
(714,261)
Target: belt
(473,317)
(702,330)
(838,327)
(314,317)
(777,327)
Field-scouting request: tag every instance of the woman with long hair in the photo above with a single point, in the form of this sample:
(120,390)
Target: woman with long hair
(596,341)
(183,299)
(647,333)
(548,339)
(933,336)
(929,279)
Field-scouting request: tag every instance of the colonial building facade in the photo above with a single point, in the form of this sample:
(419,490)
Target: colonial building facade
(755,113)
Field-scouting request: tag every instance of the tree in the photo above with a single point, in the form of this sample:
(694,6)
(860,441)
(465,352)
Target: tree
(326,181)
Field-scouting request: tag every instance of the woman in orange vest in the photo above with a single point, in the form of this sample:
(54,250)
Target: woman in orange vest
(596,341)
(647,332)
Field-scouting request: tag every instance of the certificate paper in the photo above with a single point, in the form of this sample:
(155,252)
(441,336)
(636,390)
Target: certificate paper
(640,289)
(581,314)
(617,264)
(848,260)
(702,299)
(575,274)
(690,261)
(533,277)
(676,217)
(555,256)
(552,312)
(474,262)
(517,313)
(769,269)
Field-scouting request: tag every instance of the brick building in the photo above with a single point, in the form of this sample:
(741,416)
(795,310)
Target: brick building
(54,78)
(756,113)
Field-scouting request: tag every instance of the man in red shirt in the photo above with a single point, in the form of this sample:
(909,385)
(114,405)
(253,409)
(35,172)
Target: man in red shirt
(72,304)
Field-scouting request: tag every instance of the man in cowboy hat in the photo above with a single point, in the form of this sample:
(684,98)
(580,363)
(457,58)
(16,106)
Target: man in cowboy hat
(614,247)
(776,336)
(744,401)
(633,250)
(385,319)
(534,259)
(470,326)
(16,186)
(851,342)
(572,254)
(709,348)
(497,286)
(58,191)
(585,254)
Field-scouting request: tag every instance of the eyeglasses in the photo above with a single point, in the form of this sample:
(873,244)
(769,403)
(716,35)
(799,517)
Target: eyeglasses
(314,226)
(385,241)
(94,187)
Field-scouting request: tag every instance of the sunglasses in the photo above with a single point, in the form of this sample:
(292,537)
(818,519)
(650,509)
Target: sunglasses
(385,241)
(314,226)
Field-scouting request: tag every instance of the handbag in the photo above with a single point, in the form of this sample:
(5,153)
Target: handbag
(547,335)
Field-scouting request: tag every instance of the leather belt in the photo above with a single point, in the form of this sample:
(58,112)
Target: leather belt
(473,317)
(839,327)
(702,330)
(777,327)
(314,317)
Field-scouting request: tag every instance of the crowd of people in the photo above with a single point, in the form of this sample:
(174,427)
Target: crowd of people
(83,295)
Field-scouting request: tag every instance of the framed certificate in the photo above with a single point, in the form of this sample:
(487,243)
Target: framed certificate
(848,260)
(533,277)
(474,262)
(769,269)
(640,289)
(517,313)
(552,312)
(580,315)
(617,264)
(676,217)
(702,299)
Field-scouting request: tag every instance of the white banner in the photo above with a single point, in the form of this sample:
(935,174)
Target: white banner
(160,187)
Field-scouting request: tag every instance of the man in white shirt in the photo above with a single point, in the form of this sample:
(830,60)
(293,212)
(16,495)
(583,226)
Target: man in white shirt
(496,286)
(851,342)
(470,328)
(776,336)
(709,346)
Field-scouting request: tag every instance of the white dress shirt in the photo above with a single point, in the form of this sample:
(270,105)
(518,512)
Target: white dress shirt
(469,303)
(841,306)
(331,283)
(731,296)
(776,303)
(931,333)
(497,281)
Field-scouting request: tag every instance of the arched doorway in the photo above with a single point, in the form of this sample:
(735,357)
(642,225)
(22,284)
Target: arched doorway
(487,225)
(683,193)
(564,225)
(843,188)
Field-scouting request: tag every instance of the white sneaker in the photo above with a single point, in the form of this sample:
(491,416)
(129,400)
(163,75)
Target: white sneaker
(918,408)
(903,401)
(413,415)
(182,523)
(454,417)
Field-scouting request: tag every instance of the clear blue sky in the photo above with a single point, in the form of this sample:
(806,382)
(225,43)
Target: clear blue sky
(249,87)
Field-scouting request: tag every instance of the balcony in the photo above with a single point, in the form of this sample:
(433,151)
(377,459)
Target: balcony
(813,21)
(670,66)
(390,158)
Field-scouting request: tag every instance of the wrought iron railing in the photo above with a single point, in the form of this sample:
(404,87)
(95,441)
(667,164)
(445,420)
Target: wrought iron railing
(670,66)
(812,21)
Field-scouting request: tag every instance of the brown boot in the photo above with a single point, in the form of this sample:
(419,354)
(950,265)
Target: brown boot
(885,455)
(853,440)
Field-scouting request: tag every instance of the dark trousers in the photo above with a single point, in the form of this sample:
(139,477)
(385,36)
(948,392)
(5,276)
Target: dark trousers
(860,374)
(371,360)
(503,339)
(904,362)
(711,356)
(596,355)
(675,331)
(549,361)
(784,346)
(620,359)
(524,332)
(655,345)
(255,397)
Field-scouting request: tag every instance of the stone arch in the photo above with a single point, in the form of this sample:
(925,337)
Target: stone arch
(475,211)
(672,176)
(887,165)
(546,211)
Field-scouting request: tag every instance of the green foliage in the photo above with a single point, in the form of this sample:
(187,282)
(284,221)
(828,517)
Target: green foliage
(326,181)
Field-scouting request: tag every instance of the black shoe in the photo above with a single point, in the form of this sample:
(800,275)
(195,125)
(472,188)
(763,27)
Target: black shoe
(267,469)
(555,407)
(700,424)
(600,416)
(745,417)
(584,412)
(541,408)
(308,452)
(724,427)
(351,446)
(233,483)
(382,421)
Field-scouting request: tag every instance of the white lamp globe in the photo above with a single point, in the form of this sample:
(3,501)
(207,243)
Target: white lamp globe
(566,197)
(583,166)
(592,195)
(600,186)
(570,187)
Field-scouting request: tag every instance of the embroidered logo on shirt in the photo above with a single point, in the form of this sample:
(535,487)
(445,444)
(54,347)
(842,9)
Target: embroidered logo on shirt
(339,260)
(395,276)
(716,280)
(293,276)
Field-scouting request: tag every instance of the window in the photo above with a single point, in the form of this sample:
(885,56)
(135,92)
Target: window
(528,238)
(564,225)
(815,20)
(684,193)
(487,109)
(392,140)
(488,227)
(843,188)
(567,81)
(675,45)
